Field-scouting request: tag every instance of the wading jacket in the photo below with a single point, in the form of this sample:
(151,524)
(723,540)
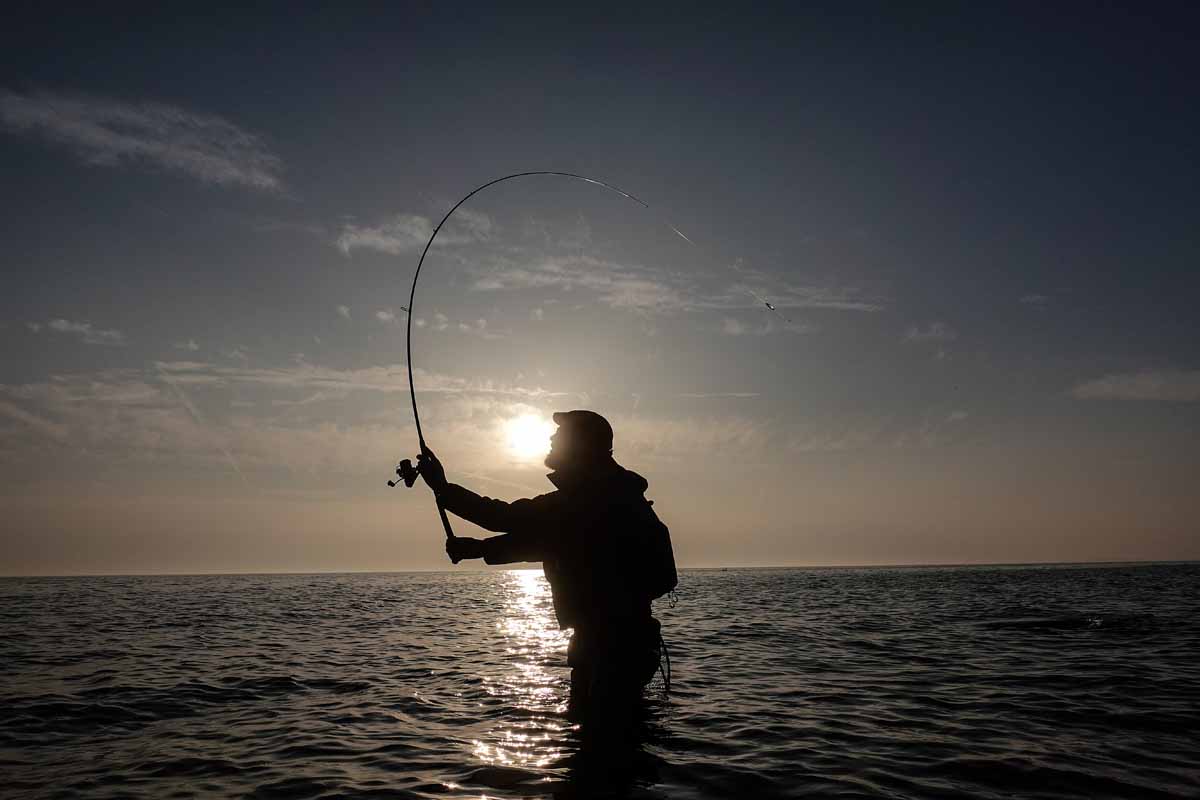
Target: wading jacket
(605,553)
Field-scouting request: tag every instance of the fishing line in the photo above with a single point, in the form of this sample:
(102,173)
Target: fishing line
(412,294)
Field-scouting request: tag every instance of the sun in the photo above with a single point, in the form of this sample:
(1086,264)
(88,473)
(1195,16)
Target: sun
(528,436)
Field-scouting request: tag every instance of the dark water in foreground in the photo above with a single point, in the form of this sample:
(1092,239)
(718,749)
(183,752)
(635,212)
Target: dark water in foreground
(981,682)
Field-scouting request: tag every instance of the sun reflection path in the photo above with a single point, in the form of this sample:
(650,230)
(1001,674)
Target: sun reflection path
(535,737)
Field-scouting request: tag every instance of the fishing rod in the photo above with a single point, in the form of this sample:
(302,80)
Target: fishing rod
(405,470)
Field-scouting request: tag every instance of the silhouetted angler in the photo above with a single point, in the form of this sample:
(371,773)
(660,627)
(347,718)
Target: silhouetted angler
(605,553)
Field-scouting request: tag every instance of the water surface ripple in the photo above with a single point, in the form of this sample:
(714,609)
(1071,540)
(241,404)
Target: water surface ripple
(987,682)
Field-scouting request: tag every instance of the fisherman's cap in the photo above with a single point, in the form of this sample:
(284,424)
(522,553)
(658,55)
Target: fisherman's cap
(587,425)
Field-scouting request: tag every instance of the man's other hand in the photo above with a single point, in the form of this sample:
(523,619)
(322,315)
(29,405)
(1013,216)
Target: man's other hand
(431,470)
(460,547)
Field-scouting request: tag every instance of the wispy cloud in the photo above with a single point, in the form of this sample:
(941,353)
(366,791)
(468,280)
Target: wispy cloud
(386,316)
(617,285)
(249,420)
(303,375)
(643,288)
(1035,299)
(135,416)
(189,345)
(833,436)
(479,328)
(785,296)
(735,327)
(108,132)
(710,395)
(343,312)
(51,429)
(406,232)
(754,288)
(684,438)
(933,332)
(194,413)
(86,332)
(403,232)
(1172,385)
(934,430)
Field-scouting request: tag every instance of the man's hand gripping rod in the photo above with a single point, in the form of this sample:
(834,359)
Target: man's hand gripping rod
(408,474)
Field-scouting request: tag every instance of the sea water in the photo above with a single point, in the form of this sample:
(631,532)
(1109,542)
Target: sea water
(986,682)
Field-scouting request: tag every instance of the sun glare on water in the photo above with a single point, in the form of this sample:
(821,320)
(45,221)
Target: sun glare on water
(528,436)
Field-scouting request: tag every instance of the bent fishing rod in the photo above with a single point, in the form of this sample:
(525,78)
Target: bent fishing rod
(405,470)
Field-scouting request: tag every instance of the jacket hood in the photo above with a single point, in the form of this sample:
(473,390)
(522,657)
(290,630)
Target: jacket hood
(611,476)
(630,481)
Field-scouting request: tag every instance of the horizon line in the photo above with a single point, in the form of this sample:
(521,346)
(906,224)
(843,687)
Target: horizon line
(507,568)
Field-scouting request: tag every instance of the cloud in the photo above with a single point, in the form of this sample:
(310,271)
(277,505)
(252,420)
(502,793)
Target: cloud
(735,327)
(1171,385)
(710,395)
(617,285)
(52,429)
(403,232)
(92,413)
(386,316)
(34,326)
(642,288)
(86,332)
(186,402)
(958,415)
(933,432)
(344,312)
(470,225)
(755,287)
(247,420)
(407,232)
(190,344)
(479,328)
(685,438)
(537,314)
(834,436)
(1035,299)
(110,133)
(933,332)
(784,296)
(303,375)
(123,417)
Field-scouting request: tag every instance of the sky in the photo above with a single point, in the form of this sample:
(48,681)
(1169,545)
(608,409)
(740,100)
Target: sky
(977,230)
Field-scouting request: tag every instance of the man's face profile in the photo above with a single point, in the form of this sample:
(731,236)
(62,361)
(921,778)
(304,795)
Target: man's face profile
(554,459)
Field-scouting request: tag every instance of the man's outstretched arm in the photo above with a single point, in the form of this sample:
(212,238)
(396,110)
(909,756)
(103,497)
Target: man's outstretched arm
(524,522)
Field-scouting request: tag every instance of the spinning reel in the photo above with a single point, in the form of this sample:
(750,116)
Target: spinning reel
(407,472)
